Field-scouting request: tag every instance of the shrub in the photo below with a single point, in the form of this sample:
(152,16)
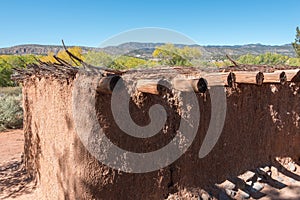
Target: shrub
(11,112)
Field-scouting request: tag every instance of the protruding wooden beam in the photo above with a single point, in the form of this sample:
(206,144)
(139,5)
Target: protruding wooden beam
(152,86)
(282,78)
(231,80)
(216,79)
(245,77)
(259,78)
(189,85)
(274,77)
(202,85)
(107,84)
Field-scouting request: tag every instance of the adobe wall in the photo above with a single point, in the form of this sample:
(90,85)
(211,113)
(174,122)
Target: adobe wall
(262,122)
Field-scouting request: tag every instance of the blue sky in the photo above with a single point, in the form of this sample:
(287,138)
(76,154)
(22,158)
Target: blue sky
(207,22)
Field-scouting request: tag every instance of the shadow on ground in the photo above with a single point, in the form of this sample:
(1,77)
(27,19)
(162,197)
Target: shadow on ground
(276,181)
(14,180)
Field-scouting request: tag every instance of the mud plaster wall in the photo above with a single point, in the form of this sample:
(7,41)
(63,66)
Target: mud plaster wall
(262,123)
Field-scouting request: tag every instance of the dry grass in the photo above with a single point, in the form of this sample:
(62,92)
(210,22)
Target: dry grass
(10,90)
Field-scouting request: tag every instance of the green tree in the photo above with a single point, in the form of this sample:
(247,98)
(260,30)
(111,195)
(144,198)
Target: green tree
(77,51)
(296,44)
(100,59)
(171,55)
(263,59)
(7,62)
(293,62)
(127,62)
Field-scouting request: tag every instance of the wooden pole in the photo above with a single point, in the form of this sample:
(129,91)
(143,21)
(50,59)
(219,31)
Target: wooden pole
(107,84)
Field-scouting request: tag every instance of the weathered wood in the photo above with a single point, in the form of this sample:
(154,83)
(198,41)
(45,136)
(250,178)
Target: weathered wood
(188,85)
(296,77)
(275,77)
(252,77)
(152,86)
(202,85)
(282,78)
(107,84)
(231,80)
(246,77)
(216,79)
(259,78)
(158,86)
(278,76)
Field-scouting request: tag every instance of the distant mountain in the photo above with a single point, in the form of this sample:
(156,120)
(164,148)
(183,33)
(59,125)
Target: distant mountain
(35,49)
(255,49)
(145,49)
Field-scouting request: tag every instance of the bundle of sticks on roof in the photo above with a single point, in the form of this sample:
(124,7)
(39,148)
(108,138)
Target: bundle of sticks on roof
(60,69)
(45,69)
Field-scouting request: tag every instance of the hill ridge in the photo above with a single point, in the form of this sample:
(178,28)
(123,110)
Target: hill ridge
(146,49)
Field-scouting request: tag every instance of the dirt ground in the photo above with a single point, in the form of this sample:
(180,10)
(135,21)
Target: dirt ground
(268,182)
(14,181)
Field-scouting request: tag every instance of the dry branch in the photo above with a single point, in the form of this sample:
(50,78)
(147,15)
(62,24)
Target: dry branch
(233,61)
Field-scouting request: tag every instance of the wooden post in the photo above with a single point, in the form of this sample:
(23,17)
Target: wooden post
(107,84)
